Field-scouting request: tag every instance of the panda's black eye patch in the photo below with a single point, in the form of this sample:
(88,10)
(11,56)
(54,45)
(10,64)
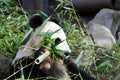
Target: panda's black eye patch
(35,21)
(57,40)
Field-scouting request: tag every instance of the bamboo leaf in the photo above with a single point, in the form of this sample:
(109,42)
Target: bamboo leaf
(26,38)
(103,65)
(79,57)
(38,31)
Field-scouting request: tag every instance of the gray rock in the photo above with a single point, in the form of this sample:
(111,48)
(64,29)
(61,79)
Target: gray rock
(101,35)
(4,66)
(104,27)
(109,18)
(117,77)
(119,37)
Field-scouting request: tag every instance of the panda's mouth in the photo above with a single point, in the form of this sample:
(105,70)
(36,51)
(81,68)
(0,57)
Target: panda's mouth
(42,57)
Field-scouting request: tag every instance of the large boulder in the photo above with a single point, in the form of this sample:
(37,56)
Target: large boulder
(104,28)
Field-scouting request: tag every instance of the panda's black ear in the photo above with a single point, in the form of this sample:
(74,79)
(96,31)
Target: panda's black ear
(35,21)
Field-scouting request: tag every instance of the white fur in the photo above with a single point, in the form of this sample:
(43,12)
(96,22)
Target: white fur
(35,41)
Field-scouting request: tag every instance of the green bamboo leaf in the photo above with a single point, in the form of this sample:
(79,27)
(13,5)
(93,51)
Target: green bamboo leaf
(38,31)
(59,51)
(22,74)
(51,33)
(103,65)
(79,57)
(19,79)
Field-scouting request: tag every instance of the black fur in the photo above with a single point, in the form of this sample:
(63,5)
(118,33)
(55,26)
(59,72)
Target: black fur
(32,69)
(74,69)
(37,73)
(35,21)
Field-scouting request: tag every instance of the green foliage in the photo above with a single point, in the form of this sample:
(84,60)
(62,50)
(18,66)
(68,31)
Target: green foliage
(61,3)
(106,63)
(12,27)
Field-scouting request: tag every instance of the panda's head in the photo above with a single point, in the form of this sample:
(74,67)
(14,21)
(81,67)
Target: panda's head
(59,36)
(35,40)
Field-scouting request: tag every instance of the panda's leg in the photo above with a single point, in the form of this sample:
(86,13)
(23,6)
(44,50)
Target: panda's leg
(73,68)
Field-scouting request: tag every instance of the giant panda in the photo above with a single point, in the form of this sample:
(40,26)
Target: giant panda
(48,69)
